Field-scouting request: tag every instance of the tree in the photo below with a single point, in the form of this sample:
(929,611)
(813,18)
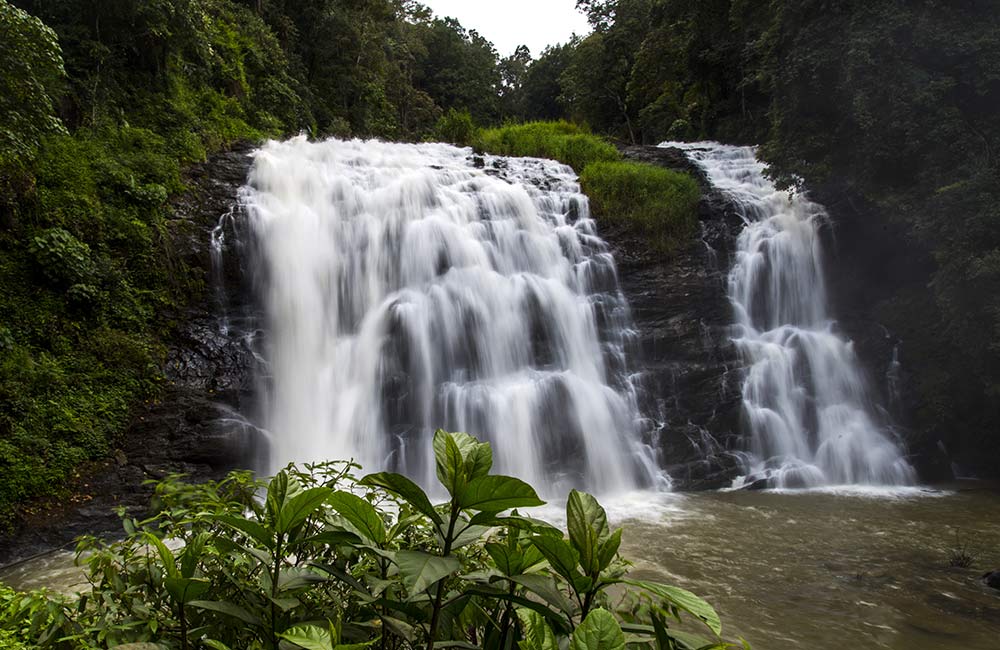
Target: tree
(30,79)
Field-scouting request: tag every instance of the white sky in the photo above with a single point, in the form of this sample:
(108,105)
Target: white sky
(509,23)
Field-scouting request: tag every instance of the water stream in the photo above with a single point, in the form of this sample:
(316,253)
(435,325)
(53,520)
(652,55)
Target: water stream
(807,404)
(406,289)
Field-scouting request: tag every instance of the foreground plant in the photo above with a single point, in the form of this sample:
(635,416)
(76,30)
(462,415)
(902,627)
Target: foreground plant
(327,562)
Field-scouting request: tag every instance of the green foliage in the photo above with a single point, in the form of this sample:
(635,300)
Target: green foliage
(324,561)
(561,140)
(30,79)
(456,127)
(659,202)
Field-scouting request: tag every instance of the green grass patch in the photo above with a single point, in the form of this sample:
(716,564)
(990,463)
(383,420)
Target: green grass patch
(658,202)
(564,141)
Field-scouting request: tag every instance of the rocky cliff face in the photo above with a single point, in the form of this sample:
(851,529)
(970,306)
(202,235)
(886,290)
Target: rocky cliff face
(691,380)
(208,375)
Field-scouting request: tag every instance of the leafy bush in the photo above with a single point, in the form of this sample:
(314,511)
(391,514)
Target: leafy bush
(658,202)
(323,561)
(456,127)
(562,141)
(29,81)
(64,259)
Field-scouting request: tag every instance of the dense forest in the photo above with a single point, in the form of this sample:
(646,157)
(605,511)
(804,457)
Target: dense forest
(889,107)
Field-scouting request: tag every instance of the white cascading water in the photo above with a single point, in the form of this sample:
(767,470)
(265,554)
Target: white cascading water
(405,289)
(805,397)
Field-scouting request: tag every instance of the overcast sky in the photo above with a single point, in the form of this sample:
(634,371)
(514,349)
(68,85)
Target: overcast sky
(509,23)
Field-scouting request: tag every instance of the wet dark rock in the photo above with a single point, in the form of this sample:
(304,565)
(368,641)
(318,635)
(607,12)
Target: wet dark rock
(191,428)
(690,388)
(992,579)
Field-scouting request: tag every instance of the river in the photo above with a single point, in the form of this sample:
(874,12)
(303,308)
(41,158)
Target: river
(810,569)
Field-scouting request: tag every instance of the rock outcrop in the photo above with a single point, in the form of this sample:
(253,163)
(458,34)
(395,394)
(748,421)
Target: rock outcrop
(192,428)
(690,389)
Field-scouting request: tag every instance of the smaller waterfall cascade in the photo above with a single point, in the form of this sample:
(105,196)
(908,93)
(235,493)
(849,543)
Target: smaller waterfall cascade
(406,289)
(805,398)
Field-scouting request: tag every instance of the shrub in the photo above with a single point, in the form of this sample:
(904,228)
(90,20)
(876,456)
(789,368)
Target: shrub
(63,258)
(563,141)
(660,203)
(456,127)
(324,561)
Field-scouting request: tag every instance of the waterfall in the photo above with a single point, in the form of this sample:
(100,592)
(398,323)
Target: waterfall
(413,286)
(806,401)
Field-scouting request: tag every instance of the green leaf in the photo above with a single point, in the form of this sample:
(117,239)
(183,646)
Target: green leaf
(588,527)
(215,645)
(684,600)
(562,557)
(166,556)
(281,488)
(184,590)
(361,514)
(406,490)
(310,637)
(420,570)
(227,608)
(546,589)
(608,549)
(449,459)
(468,535)
(479,460)
(513,560)
(496,493)
(599,631)
(537,633)
(251,529)
(298,508)
(192,554)
(291,578)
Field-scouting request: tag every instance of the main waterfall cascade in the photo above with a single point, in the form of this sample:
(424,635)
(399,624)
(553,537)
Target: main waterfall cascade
(406,288)
(805,398)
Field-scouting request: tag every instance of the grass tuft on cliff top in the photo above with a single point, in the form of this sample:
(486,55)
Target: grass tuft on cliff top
(662,204)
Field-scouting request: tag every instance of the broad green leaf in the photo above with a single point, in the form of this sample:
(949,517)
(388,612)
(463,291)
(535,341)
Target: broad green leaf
(562,557)
(599,631)
(361,514)
(298,508)
(468,535)
(184,590)
(559,622)
(420,570)
(406,490)
(449,459)
(682,599)
(479,460)
(514,560)
(227,608)
(545,588)
(496,493)
(251,529)
(291,578)
(588,527)
(537,633)
(192,554)
(215,645)
(608,549)
(281,488)
(508,560)
(518,522)
(689,641)
(166,556)
(310,637)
